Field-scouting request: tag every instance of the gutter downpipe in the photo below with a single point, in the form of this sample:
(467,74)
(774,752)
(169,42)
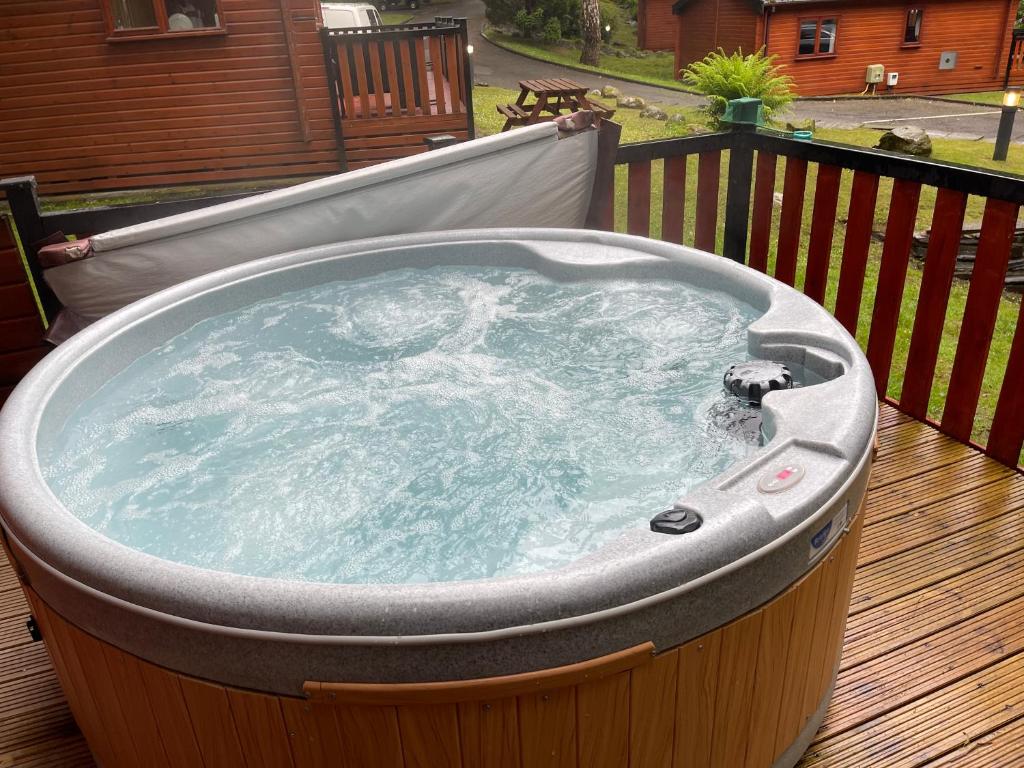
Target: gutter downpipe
(767,12)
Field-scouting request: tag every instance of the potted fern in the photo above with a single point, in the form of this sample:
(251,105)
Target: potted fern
(723,77)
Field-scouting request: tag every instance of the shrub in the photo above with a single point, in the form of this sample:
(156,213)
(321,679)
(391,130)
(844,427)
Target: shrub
(630,7)
(610,17)
(552,30)
(566,11)
(502,12)
(723,77)
(529,24)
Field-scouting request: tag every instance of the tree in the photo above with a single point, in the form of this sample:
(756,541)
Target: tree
(590,24)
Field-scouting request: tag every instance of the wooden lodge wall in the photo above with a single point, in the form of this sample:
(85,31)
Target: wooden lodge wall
(655,25)
(869,32)
(980,31)
(82,113)
(704,26)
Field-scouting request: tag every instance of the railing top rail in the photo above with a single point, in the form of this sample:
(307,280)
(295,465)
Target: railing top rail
(962,178)
(686,145)
(390,31)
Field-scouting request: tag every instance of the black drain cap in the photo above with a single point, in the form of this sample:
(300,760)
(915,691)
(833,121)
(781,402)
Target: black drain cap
(675,521)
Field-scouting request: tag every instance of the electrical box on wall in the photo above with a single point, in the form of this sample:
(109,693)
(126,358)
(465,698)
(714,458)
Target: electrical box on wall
(947,60)
(874,74)
(892,78)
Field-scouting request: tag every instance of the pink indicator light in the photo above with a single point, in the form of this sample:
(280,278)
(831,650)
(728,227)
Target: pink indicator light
(784,473)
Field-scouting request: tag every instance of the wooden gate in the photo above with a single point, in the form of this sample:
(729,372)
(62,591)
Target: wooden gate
(391,87)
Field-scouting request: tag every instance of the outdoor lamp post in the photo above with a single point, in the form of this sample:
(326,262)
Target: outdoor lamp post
(1011,100)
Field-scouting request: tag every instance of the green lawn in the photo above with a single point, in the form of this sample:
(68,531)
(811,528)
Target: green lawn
(654,69)
(395,17)
(963,152)
(982,97)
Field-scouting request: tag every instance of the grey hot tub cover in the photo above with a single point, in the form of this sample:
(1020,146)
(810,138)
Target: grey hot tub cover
(526,177)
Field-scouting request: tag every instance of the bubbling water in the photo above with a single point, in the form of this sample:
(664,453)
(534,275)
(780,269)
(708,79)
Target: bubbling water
(420,425)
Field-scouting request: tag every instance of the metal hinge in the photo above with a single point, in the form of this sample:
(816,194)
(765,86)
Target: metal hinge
(33,629)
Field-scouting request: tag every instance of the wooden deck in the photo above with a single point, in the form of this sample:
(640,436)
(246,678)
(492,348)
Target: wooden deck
(933,670)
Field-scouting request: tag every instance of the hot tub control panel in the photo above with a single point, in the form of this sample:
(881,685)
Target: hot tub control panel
(780,478)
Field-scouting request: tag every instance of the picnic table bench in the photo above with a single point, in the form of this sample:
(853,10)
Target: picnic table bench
(550,98)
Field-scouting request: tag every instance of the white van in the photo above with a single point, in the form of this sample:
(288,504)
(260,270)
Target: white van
(347,15)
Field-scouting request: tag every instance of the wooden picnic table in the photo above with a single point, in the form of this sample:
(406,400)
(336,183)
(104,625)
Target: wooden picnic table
(550,98)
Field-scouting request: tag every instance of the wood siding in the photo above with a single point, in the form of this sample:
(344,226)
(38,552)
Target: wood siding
(872,33)
(707,25)
(737,696)
(82,113)
(656,25)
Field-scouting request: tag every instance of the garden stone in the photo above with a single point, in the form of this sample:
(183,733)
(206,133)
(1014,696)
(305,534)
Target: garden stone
(696,128)
(610,92)
(908,139)
(630,102)
(595,93)
(677,117)
(653,113)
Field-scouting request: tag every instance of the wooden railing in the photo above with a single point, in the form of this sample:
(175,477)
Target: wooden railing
(902,314)
(1015,61)
(941,351)
(391,86)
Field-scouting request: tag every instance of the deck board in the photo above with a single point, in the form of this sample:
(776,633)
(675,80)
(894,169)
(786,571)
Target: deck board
(933,667)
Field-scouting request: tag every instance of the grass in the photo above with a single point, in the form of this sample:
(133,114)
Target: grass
(973,153)
(654,69)
(981,97)
(395,17)
(634,128)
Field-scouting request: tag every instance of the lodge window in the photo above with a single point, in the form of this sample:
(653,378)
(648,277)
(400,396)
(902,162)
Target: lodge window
(150,18)
(912,29)
(817,37)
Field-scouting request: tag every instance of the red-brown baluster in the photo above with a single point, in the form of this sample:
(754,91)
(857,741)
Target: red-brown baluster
(823,225)
(761,215)
(859,222)
(939,263)
(892,277)
(791,219)
(673,199)
(1007,435)
(709,169)
(997,228)
(638,199)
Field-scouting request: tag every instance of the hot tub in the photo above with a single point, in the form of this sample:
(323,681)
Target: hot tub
(715,641)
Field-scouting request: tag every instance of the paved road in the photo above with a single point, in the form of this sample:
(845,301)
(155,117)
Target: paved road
(939,118)
(496,66)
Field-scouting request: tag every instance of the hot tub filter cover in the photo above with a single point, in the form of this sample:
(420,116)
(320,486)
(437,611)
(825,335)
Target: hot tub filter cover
(755,378)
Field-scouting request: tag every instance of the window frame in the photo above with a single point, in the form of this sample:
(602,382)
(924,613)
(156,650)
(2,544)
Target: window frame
(817,37)
(161,30)
(920,26)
